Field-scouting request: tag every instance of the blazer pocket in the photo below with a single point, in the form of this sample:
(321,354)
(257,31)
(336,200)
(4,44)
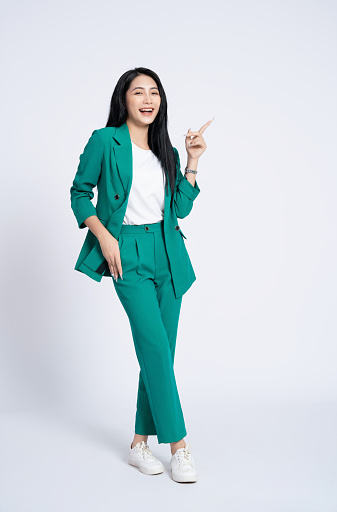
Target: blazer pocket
(95,259)
(102,267)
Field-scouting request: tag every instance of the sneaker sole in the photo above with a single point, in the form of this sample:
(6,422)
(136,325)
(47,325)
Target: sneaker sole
(184,479)
(146,471)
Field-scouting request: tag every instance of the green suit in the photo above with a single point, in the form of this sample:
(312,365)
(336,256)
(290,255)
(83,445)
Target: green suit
(106,162)
(156,271)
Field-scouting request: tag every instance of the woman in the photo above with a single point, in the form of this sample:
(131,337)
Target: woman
(134,237)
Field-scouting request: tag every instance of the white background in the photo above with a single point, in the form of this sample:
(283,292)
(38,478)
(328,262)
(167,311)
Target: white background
(256,349)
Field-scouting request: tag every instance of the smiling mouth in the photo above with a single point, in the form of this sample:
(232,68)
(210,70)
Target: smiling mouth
(146,111)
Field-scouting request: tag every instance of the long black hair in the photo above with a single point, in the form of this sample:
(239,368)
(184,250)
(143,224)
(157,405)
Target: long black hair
(158,137)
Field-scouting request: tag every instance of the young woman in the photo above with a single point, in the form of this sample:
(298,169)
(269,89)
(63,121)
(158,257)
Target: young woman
(134,236)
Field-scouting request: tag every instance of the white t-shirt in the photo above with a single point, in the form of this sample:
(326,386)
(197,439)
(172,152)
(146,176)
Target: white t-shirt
(147,194)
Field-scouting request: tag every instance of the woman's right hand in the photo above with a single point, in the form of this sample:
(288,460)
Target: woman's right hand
(110,249)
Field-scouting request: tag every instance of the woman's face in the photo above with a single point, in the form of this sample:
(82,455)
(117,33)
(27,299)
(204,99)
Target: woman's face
(142,94)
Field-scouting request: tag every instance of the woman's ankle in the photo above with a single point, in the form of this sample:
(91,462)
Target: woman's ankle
(176,446)
(137,439)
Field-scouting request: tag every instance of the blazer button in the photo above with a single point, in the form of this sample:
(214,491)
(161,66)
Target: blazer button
(177,228)
(116,196)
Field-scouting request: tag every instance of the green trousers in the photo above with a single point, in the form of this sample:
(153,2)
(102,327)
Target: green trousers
(147,295)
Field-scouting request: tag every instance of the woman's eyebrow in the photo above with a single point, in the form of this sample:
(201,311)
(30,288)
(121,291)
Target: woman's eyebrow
(143,88)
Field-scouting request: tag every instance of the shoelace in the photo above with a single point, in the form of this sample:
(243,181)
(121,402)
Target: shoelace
(185,456)
(145,450)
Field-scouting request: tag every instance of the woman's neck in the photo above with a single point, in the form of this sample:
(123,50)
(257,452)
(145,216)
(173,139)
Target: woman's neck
(138,134)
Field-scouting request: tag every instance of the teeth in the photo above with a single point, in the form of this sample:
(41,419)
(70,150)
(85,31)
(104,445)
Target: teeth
(146,110)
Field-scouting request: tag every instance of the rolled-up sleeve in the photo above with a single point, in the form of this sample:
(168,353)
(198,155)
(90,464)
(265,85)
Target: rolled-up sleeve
(185,192)
(86,179)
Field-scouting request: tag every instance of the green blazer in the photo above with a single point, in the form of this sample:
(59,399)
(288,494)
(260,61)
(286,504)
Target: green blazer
(106,162)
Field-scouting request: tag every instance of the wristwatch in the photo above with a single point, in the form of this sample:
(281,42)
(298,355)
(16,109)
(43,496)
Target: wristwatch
(190,170)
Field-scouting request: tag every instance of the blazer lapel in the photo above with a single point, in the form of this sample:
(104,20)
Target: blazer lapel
(123,155)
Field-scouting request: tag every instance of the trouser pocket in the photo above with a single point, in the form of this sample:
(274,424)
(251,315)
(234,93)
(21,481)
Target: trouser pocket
(129,253)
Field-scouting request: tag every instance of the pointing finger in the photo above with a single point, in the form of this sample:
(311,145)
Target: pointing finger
(203,128)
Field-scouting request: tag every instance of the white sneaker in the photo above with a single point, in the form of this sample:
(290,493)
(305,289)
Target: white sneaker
(182,465)
(141,457)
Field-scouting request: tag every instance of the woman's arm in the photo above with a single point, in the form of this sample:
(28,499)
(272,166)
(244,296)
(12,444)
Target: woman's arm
(192,163)
(187,187)
(186,190)
(95,225)
(86,178)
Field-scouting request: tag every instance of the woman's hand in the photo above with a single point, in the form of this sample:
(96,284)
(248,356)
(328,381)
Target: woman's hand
(195,143)
(110,249)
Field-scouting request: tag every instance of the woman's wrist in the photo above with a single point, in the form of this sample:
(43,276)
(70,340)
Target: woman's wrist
(192,163)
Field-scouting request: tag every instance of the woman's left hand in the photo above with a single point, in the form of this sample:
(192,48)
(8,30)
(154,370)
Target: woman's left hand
(196,146)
